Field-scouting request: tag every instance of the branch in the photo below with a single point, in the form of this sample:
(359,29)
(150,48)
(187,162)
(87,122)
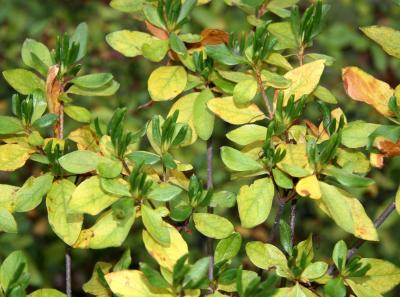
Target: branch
(377,223)
(277,219)
(210,243)
(68,273)
(263,94)
(293,221)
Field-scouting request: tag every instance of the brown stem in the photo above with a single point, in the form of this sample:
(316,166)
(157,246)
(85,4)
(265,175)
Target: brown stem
(210,243)
(61,122)
(300,55)
(263,9)
(263,94)
(275,226)
(68,272)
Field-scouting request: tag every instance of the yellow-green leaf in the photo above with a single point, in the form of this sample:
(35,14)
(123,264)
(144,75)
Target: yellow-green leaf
(23,81)
(386,37)
(347,212)
(212,225)
(128,43)
(47,293)
(238,161)
(167,82)
(90,198)
(67,226)
(245,91)
(111,228)
(8,197)
(255,202)
(247,134)
(7,221)
(203,118)
(155,225)
(226,109)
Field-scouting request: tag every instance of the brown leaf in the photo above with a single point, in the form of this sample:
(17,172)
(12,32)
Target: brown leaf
(361,86)
(389,149)
(53,89)
(211,37)
(157,32)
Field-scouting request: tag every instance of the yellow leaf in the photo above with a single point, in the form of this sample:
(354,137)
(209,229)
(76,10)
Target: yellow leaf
(308,186)
(8,197)
(13,156)
(166,256)
(361,86)
(85,139)
(167,82)
(295,162)
(304,79)
(398,200)
(227,110)
(185,106)
(133,283)
(386,37)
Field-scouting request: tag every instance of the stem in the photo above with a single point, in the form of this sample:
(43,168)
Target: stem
(278,217)
(377,223)
(263,94)
(301,55)
(61,121)
(293,221)
(210,243)
(68,272)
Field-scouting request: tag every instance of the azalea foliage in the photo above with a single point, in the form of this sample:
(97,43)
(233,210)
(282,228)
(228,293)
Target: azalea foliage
(260,82)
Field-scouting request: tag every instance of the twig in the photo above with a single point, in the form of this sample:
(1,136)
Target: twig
(263,94)
(377,223)
(68,272)
(210,243)
(275,226)
(293,221)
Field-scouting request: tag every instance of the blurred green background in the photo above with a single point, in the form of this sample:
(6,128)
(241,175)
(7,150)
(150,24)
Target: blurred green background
(44,19)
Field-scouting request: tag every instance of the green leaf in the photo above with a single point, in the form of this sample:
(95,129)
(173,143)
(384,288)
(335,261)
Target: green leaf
(107,90)
(228,248)
(10,125)
(335,288)
(164,192)
(274,80)
(167,82)
(355,134)
(115,186)
(127,5)
(80,162)
(155,225)
(78,113)
(153,276)
(177,45)
(47,293)
(203,118)
(80,36)
(23,81)
(155,49)
(283,32)
(90,198)
(7,221)
(36,55)
(109,168)
(282,179)
(266,256)
(124,262)
(255,202)
(387,38)
(110,229)
(314,271)
(247,134)
(348,179)
(67,226)
(10,270)
(46,121)
(196,273)
(238,161)
(339,255)
(245,91)
(223,55)
(128,43)
(92,81)
(325,95)
(224,199)
(30,195)
(212,225)
(144,157)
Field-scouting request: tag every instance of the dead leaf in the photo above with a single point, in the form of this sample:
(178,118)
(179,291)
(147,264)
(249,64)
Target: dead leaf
(157,32)
(389,149)
(361,86)
(53,89)
(210,37)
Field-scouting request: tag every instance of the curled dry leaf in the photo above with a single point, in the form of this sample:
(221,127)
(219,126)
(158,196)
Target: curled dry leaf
(361,86)
(211,36)
(53,89)
(157,32)
(388,148)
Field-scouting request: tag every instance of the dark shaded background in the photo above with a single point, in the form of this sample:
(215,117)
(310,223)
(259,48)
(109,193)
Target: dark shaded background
(44,19)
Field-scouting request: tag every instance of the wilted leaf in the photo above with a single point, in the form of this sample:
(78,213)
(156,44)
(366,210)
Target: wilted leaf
(361,86)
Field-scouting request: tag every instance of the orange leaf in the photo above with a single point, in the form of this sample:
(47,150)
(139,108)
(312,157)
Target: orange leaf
(210,37)
(388,148)
(157,32)
(361,86)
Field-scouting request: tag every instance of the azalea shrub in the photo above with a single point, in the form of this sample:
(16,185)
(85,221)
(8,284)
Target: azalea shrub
(101,180)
